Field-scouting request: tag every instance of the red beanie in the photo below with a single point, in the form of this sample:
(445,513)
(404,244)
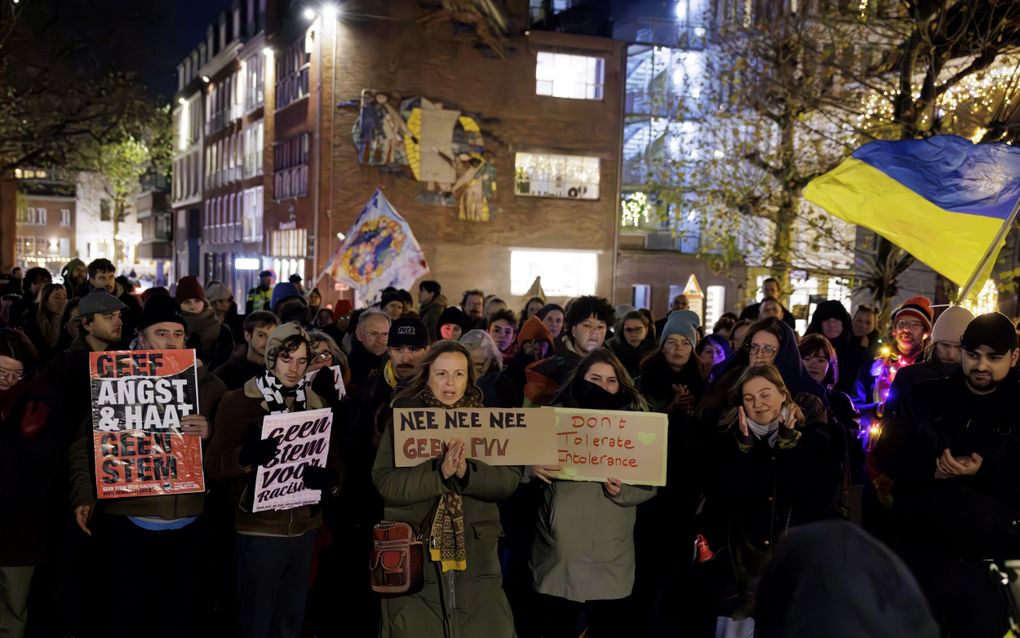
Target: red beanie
(534,330)
(189,288)
(918,307)
(342,307)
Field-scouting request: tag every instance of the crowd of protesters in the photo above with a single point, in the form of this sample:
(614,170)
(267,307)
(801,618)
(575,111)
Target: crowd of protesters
(787,455)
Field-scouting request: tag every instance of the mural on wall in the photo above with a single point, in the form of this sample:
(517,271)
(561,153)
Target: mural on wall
(488,19)
(433,143)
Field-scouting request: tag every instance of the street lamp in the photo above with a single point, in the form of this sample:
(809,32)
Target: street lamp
(309,14)
(329,11)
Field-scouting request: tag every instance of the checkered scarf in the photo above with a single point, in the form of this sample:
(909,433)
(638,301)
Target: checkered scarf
(275,394)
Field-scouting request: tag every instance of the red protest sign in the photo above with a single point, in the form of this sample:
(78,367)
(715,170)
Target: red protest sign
(138,400)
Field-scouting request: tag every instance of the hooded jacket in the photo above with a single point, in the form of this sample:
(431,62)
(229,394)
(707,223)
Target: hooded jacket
(832,580)
(850,355)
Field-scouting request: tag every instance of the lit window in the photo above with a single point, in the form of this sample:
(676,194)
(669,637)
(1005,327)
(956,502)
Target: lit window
(564,273)
(65,216)
(569,176)
(572,76)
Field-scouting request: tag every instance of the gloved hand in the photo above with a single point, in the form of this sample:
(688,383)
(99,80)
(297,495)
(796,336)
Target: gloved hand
(321,478)
(322,385)
(258,452)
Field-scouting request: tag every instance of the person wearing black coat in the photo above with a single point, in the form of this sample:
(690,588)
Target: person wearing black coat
(30,463)
(954,459)
(774,468)
(832,321)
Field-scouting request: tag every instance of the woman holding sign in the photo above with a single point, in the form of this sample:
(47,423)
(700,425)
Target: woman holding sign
(583,555)
(775,469)
(454,499)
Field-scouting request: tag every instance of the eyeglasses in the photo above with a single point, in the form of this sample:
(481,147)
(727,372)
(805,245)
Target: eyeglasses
(909,325)
(323,356)
(754,348)
(11,375)
(377,335)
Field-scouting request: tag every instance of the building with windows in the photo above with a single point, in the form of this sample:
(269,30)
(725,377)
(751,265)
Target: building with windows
(45,219)
(503,156)
(219,172)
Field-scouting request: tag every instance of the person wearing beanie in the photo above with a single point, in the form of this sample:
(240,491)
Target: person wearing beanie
(954,459)
(274,548)
(73,274)
(534,343)
(943,358)
(165,524)
(221,298)
(211,339)
(391,304)
(451,323)
(406,347)
(260,296)
(911,326)
(284,292)
(343,312)
(632,341)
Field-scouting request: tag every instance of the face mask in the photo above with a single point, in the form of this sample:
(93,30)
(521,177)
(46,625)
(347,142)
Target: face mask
(593,397)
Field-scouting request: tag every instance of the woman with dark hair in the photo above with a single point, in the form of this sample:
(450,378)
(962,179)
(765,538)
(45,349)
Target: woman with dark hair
(531,308)
(588,319)
(43,330)
(774,469)
(713,349)
(29,473)
(69,324)
(768,340)
(553,316)
(274,547)
(832,321)
(738,333)
(583,555)
(457,498)
(632,341)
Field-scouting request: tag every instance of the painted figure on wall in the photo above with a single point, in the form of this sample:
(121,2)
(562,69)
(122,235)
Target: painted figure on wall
(433,143)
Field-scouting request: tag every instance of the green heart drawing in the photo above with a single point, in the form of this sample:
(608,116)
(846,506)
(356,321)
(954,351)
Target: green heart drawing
(646,437)
(568,472)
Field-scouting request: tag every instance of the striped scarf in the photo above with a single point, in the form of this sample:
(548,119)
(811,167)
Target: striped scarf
(275,394)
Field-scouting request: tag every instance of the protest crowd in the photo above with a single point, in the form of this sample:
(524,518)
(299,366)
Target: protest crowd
(853,480)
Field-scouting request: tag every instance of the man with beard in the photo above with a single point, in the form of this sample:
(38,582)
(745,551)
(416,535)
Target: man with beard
(167,525)
(473,307)
(587,322)
(368,348)
(260,295)
(955,460)
(102,274)
(407,344)
(911,325)
(249,359)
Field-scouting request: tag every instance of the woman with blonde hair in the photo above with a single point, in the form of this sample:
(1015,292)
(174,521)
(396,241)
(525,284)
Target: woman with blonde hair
(777,466)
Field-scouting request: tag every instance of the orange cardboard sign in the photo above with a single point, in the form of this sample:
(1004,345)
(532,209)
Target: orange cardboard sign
(138,400)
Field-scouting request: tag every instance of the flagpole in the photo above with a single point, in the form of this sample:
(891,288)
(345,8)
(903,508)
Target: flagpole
(965,291)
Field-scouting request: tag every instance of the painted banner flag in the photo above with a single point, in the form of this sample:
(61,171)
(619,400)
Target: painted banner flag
(379,251)
(138,400)
(943,199)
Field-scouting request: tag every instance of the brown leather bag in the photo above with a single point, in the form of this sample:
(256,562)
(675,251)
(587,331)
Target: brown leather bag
(397,561)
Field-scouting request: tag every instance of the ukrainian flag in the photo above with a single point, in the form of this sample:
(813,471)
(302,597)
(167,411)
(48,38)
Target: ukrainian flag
(943,199)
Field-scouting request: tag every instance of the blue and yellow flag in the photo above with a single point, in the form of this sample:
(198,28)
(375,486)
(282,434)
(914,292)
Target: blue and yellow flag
(942,199)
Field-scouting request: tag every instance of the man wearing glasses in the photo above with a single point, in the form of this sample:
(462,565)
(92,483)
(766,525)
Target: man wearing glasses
(911,327)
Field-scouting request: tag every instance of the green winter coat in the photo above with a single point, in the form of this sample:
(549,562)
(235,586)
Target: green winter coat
(470,604)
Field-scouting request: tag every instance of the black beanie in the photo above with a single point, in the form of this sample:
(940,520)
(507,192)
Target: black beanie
(160,309)
(992,329)
(453,315)
(408,331)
